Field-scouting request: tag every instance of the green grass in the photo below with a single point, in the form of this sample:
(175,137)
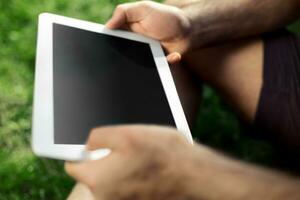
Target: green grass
(25,176)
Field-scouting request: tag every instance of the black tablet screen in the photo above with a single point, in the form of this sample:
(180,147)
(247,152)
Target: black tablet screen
(103,80)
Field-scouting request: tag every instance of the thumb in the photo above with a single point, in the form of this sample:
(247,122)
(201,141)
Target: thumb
(128,13)
(174,57)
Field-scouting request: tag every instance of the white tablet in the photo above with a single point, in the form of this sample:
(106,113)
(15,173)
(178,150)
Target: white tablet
(88,76)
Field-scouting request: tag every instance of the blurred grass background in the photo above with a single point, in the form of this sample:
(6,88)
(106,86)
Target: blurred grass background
(23,175)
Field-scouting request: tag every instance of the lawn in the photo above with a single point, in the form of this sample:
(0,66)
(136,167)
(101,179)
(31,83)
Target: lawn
(25,176)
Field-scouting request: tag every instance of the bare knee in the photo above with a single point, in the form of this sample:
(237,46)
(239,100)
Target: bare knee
(188,90)
(235,70)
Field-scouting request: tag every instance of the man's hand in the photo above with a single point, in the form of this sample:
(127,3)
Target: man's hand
(151,162)
(146,163)
(165,23)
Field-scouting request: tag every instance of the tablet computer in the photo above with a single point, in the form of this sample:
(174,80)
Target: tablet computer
(88,76)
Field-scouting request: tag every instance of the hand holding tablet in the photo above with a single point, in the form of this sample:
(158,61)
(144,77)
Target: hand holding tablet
(88,76)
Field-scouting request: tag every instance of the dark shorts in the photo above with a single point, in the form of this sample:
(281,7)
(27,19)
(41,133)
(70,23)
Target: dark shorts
(278,112)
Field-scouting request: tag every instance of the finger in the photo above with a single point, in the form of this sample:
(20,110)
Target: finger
(106,137)
(88,172)
(174,58)
(80,172)
(137,28)
(118,19)
(127,13)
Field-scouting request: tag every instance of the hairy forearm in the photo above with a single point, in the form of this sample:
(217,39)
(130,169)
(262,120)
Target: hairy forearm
(213,176)
(215,21)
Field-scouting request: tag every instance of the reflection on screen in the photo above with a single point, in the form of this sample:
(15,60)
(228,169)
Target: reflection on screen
(103,80)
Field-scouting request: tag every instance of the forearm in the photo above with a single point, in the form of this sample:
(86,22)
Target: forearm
(213,176)
(218,21)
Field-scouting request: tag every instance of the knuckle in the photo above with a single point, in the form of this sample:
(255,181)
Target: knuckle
(94,131)
(129,135)
(93,134)
(145,4)
(120,8)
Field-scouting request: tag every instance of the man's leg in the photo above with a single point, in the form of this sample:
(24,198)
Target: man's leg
(189,90)
(235,70)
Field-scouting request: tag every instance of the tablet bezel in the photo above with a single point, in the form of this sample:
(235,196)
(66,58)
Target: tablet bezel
(43,116)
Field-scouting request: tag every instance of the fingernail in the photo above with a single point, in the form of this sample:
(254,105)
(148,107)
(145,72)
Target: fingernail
(174,57)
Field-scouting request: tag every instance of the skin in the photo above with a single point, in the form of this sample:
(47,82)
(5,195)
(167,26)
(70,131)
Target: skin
(142,17)
(237,73)
(215,22)
(178,38)
(187,34)
(142,167)
(202,23)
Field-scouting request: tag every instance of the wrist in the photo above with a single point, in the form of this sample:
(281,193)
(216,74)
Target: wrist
(184,43)
(191,34)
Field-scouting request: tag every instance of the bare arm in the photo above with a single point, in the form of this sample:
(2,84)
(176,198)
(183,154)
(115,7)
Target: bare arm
(215,21)
(142,167)
(213,176)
